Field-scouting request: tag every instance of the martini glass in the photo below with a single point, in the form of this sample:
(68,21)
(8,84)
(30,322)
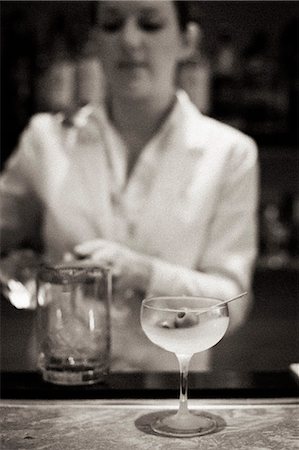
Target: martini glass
(185,326)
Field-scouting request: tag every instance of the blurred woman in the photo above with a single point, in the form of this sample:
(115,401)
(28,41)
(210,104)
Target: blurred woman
(146,184)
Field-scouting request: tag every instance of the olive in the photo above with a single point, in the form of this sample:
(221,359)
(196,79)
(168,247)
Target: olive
(186,319)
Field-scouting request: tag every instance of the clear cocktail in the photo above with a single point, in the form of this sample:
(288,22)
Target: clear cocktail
(184,325)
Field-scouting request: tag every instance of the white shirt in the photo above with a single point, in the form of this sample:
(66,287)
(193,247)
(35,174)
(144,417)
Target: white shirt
(190,202)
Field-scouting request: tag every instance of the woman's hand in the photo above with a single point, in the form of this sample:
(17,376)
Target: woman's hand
(131,270)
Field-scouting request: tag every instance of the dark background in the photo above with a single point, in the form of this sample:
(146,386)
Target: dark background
(259,96)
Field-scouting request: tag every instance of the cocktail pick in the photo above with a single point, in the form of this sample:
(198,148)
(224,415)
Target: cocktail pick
(223,302)
(185,318)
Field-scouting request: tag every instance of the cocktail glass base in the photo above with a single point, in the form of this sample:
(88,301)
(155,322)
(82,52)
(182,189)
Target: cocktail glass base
(192,425)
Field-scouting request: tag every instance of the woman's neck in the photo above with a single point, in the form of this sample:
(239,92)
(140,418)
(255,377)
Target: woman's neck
(137,120)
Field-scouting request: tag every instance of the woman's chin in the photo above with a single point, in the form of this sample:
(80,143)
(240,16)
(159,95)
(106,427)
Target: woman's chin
(134,95)
(133,89)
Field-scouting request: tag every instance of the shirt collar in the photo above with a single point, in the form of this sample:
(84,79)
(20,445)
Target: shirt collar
(184,119)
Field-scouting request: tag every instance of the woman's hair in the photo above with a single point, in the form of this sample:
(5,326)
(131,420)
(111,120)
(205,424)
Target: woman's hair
(183,10)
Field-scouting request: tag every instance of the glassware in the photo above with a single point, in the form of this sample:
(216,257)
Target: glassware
(184,325)
(73,318)
(18,277)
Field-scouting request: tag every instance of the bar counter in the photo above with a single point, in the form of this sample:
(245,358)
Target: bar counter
(252,410)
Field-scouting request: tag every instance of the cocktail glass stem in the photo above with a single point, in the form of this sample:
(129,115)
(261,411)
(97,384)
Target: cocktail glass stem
(184,423)
(184,362)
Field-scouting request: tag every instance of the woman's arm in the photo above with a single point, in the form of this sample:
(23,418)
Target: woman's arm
(20,214)
(225,268)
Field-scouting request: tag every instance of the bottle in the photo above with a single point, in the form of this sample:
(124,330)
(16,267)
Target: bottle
(289,63)
(90,81)
(226,81)
(257,91)
(194,76)
(56,85)
(226,57)
(275,236)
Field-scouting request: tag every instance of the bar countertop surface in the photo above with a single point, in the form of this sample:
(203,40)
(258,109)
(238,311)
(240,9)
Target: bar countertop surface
(253,411)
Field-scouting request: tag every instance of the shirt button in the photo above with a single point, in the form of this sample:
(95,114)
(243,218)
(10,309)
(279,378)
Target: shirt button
(131,229)
(115,200)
